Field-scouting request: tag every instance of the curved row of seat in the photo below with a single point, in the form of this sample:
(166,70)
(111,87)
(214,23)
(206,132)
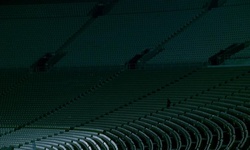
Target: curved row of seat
(209,108)
(15,136)
(109,97)
(212,114)
(14,115)
(177,128)
(211,119)
(72,140)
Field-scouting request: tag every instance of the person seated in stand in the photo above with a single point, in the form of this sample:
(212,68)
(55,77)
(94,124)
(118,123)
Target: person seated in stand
(168,103)
(145,51)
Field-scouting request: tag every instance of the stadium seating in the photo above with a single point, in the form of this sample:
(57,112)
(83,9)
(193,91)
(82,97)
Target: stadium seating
(99,104)
(201,118)
(36,104)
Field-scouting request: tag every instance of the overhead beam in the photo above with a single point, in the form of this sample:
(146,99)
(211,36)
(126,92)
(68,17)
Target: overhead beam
(47,61)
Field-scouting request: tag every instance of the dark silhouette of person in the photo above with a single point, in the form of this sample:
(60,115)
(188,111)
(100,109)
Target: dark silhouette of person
(168,103)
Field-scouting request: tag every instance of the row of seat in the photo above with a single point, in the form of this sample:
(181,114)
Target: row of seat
(119,119)
(169,129)
(111,96)
(31,103)
(193,123)
(75,139)
(51,124)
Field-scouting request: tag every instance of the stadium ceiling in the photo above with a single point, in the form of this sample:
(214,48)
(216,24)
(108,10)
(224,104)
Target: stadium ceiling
(30,2)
